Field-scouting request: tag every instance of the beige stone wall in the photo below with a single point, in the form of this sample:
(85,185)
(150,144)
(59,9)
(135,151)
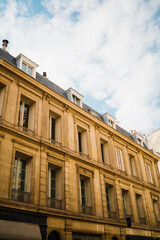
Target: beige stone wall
(63,154)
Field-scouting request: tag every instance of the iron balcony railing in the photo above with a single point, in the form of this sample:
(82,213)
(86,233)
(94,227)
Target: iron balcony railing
(112,214)
(142,220)
(20,196)
(86,210)
(58,144)
(83,154)
(26,130)
(158,223)
(55,203)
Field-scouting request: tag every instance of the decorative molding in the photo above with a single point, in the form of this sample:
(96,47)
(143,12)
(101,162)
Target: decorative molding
(24,144)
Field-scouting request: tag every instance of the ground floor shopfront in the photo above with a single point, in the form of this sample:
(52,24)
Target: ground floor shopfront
(21,225)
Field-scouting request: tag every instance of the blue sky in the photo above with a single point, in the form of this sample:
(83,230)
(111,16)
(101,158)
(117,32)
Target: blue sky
(108,50)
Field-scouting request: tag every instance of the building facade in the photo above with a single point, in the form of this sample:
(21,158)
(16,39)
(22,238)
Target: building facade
(67,172)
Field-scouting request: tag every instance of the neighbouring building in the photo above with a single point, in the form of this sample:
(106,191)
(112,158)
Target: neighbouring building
(66,171)
(153,140)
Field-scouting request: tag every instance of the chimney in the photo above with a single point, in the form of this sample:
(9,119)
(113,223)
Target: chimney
(4,45)
(44,74)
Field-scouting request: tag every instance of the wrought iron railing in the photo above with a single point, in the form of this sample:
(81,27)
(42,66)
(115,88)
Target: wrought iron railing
(158,223)
(87,210)
(58,144)
(112,214)
(142,220)
(20,196)
(55,203)
(26,130)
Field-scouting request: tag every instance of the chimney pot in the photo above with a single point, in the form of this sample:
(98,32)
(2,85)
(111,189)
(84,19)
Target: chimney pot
(4,45)
(44,74)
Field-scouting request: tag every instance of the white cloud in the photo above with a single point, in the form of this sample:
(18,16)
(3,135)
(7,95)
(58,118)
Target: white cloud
(111,51)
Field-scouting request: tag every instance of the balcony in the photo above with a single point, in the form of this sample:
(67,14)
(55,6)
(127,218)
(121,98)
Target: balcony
(158,223)
(142,220)
(83,154)
(26,130)
(57,144)
(87,210)
(20,196)
(112,215)
(55,203)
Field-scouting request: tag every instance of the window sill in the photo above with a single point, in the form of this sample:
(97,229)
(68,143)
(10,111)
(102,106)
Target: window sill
(86,210)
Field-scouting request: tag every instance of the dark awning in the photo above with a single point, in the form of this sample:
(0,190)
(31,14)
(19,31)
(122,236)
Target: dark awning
(136,237)
(19,230)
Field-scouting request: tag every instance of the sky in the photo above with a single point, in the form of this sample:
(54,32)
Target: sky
(107,50)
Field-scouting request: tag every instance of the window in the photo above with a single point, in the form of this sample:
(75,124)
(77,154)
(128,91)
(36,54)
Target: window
(82,141)
(119,159)
(156,210)
(76,100)
(105,152)
(2,91)
(126,203)
(140,209)
(110,199)
(21,179)
(54,187)
(148,171)
(79,141)
(26,68)
(133,165)
(55,127)
(23,114)
(85,187)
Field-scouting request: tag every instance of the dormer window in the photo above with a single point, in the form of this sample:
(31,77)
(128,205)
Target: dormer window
(27,69)
(76,100)
(26,65)
(74,97)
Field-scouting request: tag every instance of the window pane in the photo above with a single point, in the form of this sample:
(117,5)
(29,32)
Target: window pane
(25,117)
(19,116)
(79,141)
(24,66)
(30,71)
(53,124)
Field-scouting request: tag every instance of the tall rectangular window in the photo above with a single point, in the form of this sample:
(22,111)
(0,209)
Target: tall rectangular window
(102,151)
(82,141)
(2,91)
(126,203)
(110,199)
(85,188)
(120,159)
(133,165)
(21,179)
(105,152)
(23,117)
(148,171)
(76,100)
(83,192)
(54,187)
(156,211)
(140,209)
(55,128)
(79,141)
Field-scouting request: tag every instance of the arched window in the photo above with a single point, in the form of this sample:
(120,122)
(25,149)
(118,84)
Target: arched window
(54,235)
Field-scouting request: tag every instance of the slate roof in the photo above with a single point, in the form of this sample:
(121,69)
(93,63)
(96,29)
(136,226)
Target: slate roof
(45,81)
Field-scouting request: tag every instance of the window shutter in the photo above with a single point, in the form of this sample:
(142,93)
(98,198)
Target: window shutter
(119,159)
(149,175)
